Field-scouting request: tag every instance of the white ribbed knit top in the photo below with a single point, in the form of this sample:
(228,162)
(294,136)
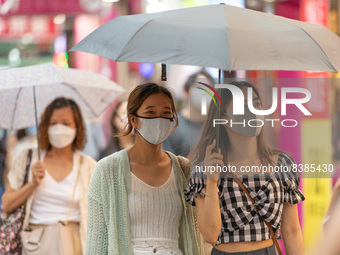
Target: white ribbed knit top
(154,213)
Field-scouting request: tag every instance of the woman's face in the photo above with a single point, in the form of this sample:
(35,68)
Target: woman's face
(228,112)
(195,94)
(63,116)
(156,105)
(256,103)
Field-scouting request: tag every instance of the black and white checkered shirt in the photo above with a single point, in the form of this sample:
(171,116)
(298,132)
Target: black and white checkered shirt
(240,221)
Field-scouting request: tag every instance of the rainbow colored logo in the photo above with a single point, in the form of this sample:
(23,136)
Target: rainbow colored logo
(208,92)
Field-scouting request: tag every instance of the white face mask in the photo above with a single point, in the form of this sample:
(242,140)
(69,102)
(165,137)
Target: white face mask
(156,130)
(61,136)
(246,130)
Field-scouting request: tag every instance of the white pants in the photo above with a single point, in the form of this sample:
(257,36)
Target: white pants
(156,251)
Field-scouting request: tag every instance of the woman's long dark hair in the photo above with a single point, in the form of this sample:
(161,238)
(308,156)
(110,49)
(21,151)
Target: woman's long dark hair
(209,133)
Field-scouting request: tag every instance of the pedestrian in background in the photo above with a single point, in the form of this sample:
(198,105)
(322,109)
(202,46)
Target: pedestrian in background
(61,171)
(233,221)
(329,243)
(118,125)
(190,119)
(136,200)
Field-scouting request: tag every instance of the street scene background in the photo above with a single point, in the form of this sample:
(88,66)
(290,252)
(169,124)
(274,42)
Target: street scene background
(34,32)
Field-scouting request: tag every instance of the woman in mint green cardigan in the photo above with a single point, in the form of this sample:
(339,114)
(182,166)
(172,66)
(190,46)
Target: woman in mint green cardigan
(136,203)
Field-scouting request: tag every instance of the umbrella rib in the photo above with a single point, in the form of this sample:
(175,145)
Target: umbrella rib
(330,62)
(87,104)
(15,108)
(230,67)
(149,21)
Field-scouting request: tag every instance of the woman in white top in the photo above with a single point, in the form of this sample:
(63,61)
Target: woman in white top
(52,180)
(136,200)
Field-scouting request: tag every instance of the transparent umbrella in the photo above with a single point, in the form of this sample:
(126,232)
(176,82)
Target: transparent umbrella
(26,91)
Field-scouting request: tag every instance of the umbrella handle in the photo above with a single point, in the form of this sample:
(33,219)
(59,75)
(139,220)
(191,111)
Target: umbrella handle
(220,77)
(36,120)
(163,72)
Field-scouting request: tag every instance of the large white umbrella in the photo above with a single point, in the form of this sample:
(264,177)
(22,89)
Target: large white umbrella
(221,36)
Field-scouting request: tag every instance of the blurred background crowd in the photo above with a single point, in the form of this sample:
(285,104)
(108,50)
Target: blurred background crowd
(35,31)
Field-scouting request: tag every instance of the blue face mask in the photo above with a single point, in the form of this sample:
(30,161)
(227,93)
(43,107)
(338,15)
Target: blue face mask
(157,129)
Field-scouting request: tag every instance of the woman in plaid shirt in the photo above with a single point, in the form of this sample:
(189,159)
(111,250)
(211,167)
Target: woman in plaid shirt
(227,217)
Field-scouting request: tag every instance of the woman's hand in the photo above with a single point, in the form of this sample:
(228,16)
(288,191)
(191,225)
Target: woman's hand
(212,160)
(38,172)
(12,198)
(208,207)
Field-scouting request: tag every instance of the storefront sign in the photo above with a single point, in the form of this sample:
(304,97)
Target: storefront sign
(33,7)
(37,26)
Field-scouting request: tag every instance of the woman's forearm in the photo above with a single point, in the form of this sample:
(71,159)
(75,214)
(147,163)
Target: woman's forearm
(209,215)
(293,242)
(12,199)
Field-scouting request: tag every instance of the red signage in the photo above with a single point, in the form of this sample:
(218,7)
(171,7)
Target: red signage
(39,27)
(315,11)
(34,7)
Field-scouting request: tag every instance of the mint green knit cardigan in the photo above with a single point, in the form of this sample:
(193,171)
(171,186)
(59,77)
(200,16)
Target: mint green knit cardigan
(108,229)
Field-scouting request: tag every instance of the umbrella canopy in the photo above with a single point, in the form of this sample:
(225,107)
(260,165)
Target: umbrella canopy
(90,90)
(221,36)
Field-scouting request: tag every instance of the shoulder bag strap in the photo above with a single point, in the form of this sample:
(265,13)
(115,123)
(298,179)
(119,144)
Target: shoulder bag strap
(198,238)
(268,225)
(28,164)
(74,188)
(185,168)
